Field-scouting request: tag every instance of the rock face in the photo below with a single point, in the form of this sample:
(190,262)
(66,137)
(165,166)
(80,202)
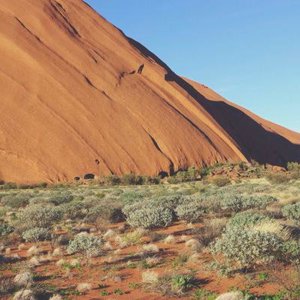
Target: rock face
(79,97)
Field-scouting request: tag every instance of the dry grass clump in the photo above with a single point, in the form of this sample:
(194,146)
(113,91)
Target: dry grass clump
(193,245)
(150,277)
(170,239)
(131,238)
(24,279)
(84,287)
(274,227)
(24,295)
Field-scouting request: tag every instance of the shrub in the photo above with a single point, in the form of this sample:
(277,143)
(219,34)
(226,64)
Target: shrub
(38,216)
(150,217)
(105,212)
(88,245)
(132,179)
(131,238)
(5,229)
(190,212)
(36,234)
(237,203)
(75,210)
(278,178)
(247,219)
(292,211)
(291,251)
(61,199)
(16,201)
(294,168)
(247,248)
(181,283)
(112,180)
(221,181)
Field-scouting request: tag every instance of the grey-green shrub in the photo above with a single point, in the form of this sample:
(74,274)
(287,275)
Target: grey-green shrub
(190,212)
(75,210)
(16,201)
(150,217)
(36,234)
(247,248)
(38,216)
(291,251)
(292,211)
(105,212)
(238,203)
(5,229)
(90,246)
(247,219)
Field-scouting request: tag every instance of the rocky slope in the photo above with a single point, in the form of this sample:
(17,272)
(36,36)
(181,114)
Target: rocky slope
(78,96)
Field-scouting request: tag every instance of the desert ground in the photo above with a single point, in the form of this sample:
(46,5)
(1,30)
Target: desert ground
(197,235)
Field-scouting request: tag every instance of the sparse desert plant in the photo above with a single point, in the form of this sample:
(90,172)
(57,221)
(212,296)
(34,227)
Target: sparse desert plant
(278,178)
(170,239)
(150,218)
(83,287)
(56,297)
(201,294)
(181,283)
(221,181)
(150,248)
(180,260)
(190,211)
(235,295)
(193,245)
(24,279)
(247,247)
(236,203)
(36,234)
(150,277)
(16,201)
(7,285)
(292,212)
(130,238)
(291,252)
(274,227)
(33,250)
(38,216)
(90,246)
(211,230)
(105,212)
(5,229)
(247,219)
(24,295)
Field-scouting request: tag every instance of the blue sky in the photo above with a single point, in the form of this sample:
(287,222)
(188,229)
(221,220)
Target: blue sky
(247,50)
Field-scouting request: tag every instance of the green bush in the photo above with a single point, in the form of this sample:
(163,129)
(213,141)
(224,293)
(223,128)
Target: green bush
(106,213)
(75,210)
(112,180)
(247,248)
(278,178)
(292,211)
(90,246)
(16,201)
(291,251)
(221,181)
(237,203)
(61,199)
(38,216)
(36,234)
(190,211)
(132,179)
(149,217)
(246,220)
(5,229)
